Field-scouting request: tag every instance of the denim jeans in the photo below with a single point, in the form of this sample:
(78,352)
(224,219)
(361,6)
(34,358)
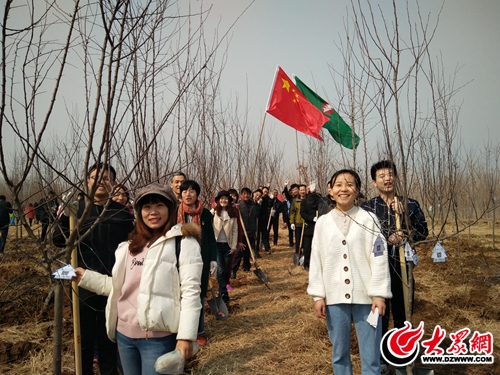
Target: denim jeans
(3,238)
(138,356)
(223,265)
(338,319)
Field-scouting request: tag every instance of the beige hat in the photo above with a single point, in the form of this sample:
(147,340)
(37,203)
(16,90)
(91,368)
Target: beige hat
(155,188)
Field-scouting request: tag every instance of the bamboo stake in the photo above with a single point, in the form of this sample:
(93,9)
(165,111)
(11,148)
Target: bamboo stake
(76,299)
(402,260)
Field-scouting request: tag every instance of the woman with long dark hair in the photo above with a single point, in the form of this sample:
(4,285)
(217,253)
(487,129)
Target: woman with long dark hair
(157,275)
(226,235)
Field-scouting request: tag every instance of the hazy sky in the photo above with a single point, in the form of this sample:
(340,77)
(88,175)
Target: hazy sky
(301,37)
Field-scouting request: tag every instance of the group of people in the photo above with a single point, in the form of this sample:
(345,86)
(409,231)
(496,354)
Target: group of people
(144,273)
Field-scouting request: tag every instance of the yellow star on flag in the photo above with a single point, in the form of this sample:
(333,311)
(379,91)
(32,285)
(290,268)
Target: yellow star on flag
(286,85)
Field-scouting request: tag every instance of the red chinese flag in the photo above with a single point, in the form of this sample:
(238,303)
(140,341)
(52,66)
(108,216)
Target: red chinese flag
(291,107)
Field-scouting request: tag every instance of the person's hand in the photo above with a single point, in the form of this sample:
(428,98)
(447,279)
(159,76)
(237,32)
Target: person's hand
(397,207)
(320,308)
(232,251)
(292,226)
(213,267)
(259,201)
(286,183)
(271,196)
(273,212)
(241,246)
(396,239)
(186,348)
(315,219)
(381,306)
(312,187)
(79,274)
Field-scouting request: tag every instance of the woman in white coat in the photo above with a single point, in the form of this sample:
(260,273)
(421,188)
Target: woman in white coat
(349,275)
(226,234)
(157,275)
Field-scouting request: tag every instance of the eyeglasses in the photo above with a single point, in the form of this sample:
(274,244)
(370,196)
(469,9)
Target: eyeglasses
(105,179)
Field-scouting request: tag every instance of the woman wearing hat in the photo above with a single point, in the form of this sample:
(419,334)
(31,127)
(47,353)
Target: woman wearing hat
(152,282)
(226,235)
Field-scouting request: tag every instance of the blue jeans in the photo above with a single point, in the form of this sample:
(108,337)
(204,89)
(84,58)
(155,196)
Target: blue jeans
(138,356)
(3,237)
(223,265)
(338,320)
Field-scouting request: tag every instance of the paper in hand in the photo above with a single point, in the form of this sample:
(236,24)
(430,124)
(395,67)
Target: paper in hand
(66,272)
(373,318)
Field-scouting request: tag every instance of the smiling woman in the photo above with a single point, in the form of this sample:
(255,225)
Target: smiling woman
(349,275)
(151,284)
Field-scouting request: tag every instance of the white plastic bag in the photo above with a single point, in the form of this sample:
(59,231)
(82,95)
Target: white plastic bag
(173,362)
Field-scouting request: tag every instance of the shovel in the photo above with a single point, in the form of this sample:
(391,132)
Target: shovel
(296,256)
(217,305)
(258,272)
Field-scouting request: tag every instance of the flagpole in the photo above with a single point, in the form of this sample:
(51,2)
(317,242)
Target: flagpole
(297,147)
(258,148)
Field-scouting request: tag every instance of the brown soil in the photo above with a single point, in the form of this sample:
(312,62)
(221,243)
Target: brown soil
(269,331)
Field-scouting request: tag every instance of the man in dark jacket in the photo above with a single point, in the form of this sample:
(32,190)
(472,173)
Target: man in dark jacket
(266,206)
(275,216)
(384,176)
(97,252)
(309,210)
(249,212)
(289,195)
(46,212)
(5,211)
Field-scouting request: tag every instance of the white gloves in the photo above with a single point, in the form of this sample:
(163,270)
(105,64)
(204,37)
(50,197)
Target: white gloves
(312,187)
(271,196)
(213,267)
(315,218)
(292,226)
(286,183)
(273,212)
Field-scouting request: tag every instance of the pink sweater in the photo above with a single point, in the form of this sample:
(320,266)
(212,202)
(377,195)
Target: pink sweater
(128,324)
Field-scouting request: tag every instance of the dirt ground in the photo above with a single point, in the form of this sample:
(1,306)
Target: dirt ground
(269,331)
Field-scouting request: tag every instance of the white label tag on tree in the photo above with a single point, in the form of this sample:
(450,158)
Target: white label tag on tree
(408,252)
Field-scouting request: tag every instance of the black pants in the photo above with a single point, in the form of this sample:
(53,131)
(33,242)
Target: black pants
(275,223)
(306,245)
(92,329)
(243,254)
(298,234)
(396,305)
(45,226)
(262,235)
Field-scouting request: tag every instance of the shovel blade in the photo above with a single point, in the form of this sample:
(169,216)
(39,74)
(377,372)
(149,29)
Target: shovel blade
(221,306)
(258,272)
(296,259)
(218,308)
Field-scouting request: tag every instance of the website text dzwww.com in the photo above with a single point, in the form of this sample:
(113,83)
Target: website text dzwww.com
(476,359)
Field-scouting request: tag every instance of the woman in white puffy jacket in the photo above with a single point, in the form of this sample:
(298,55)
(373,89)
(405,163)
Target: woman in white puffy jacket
(154,292)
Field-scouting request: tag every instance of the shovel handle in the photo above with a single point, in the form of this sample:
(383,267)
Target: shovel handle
(248,241)
(402,261)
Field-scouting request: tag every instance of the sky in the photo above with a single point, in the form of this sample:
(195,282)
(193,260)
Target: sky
(301,37)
